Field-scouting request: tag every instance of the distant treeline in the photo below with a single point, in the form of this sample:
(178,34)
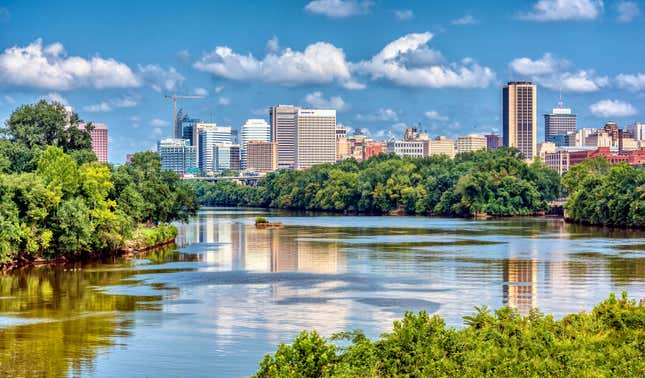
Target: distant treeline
(56,200)
(498,183)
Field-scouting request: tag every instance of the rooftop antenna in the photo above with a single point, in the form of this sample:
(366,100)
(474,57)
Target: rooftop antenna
(560,102)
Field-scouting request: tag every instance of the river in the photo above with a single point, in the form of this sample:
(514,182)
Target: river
(231,293)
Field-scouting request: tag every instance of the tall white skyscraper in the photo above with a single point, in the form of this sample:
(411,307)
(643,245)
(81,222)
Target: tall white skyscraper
(209,134)
(284,120)
(253,129)
(315,137)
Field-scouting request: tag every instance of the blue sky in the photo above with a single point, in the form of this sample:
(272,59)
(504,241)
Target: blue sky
(383,65)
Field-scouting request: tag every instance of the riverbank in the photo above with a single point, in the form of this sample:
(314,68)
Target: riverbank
(144,239)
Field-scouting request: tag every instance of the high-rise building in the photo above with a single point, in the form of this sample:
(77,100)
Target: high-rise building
(315,137)
(99,135)
(226,156)
(494,141)
(636,130)
(519,102)
(441,146)
(284,121)
(341,131)
(177,155)
(187,126)
(471,143)
(261,156)
(560,121)
(408,148)
(253,129)
(209,134)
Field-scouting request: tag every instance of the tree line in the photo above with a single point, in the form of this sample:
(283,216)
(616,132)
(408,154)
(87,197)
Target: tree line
(498,183)
(608,341)
(57,200)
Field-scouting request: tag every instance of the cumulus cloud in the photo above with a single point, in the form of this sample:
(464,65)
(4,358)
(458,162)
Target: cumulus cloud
(319,63)
(55,97)
(465,20)
(339,8)
(550,72)
(273,45)
(408,61)
(612,108)
(562,10)
(627,11)
(545,65)
(107,106)
(435,116)
(159,78)
(404,14)
(631,82)
(159,122)
(380,115)
(183,56)
(200,91)
(49,67)
(317,100)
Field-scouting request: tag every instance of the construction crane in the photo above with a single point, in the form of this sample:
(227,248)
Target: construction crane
(174,109)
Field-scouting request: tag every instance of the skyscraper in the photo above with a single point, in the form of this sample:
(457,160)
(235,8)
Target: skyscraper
(519,117)
(226,156)
(315,137)
(99,135)
(284,120)
(177,155)
(261,156)
(208,134)
(253,129)
(494,141)
(560,121)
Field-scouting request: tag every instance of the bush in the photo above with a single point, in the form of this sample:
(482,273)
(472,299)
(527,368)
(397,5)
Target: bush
(607,341)
(260,220)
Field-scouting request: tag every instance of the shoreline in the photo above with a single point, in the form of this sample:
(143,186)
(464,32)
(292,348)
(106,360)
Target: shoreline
(28,262)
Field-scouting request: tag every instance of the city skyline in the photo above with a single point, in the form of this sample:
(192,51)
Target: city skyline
(427,64)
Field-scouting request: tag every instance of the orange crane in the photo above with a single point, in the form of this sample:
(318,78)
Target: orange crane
(174,109)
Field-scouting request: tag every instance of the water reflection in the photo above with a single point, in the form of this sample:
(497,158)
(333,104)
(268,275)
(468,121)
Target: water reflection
(233,292)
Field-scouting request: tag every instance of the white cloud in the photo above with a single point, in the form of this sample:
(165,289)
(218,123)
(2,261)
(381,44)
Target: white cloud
(379,115)
(200,91)
(49,67)
(9,100)
(435,116)
(408,61)
(159,122)
(319,63)
(55,97)
(317,100)
(339,8)
(612,108)
(403,14)
(218,89)
(157,131)
(100,107)
(627,11)
(159,78)
(545,65)
(635,82)
(549,72)
(580,81)
(224,101)
(273,45)
(183,56)
(465,20)
(562,10)
(123,102)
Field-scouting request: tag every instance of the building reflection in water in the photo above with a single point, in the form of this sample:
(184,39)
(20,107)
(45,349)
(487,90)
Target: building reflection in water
(520,275)
(240,246)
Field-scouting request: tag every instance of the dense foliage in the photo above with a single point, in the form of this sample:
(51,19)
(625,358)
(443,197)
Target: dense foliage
(608,341)
(56,203)
(484,182)
(606,195)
